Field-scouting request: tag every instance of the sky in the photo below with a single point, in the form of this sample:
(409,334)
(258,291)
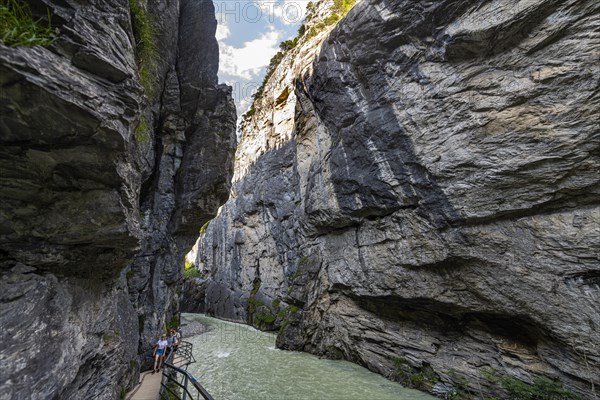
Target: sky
(249,33)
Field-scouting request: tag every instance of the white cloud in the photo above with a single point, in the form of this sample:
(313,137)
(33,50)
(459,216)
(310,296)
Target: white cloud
(246,62)
(223,31)
(288,12)
(245,105)
(244,51)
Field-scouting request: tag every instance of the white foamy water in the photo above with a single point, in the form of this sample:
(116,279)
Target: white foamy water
(237,362)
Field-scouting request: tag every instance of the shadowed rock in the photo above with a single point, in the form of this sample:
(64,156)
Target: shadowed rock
(96,213)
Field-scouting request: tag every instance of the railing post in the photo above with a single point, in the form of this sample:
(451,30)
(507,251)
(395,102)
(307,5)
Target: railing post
(185,351)
(185,387)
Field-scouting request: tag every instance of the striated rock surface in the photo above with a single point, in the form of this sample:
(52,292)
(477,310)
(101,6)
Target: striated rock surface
(104,186)
(193,295)
(421,196)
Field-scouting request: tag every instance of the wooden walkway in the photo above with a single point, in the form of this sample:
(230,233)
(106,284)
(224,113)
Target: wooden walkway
(149,386)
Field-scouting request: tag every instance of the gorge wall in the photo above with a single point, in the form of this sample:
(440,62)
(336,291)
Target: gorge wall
(418,192)
(116,145)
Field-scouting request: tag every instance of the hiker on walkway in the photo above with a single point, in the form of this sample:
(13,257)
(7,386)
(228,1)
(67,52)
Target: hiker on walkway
(176,338)
(172,342)
(160,349)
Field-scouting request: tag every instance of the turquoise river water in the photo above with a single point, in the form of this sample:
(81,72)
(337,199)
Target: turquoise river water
(237,362)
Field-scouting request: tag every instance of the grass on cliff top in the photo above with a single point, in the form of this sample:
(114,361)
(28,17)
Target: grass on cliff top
(19,28)
(343,6)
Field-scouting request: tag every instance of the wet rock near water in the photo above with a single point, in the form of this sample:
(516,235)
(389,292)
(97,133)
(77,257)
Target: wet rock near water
(193,295)
(190,327)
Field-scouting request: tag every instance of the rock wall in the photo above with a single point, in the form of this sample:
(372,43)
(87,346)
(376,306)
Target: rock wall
(193,295)
(104,186)
(422,197)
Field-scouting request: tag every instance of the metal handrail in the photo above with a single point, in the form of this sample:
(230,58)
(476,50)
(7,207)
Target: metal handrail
(175,382)
(184,349)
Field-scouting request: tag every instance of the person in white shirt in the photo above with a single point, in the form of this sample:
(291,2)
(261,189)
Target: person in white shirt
(160,350)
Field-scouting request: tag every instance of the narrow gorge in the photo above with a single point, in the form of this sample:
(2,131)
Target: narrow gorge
(416,189)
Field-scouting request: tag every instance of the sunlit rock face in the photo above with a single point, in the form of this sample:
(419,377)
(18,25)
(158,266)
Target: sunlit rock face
(424,188)
(96,214)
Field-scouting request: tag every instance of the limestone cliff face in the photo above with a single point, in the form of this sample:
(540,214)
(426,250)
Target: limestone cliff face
(98,209)
(431,206)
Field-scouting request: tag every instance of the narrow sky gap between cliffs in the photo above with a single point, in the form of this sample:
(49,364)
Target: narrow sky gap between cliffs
(249,34)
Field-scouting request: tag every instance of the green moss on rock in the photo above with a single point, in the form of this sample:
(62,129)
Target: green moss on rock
(144,32)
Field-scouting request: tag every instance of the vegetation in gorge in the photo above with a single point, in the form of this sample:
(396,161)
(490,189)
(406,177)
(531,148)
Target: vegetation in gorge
(19,28)
(173,323)
(109,337)
(129,275)
(264,319)
(146,48)
(425,378)
(419,378)
(190,271)
(259,313)
(146,56)
(142,130)
(284,314)
(122,392)
(253,303)
(342,7)
(204,227)
(541,389)
(264,316)
(339,9)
